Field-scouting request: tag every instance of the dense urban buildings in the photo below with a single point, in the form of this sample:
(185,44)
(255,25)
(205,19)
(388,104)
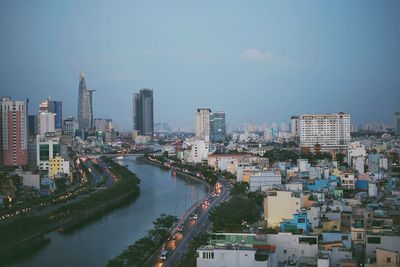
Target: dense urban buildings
(143,118)
(203,124)
(14,132)
(55,107)
(85,104)
(330,131)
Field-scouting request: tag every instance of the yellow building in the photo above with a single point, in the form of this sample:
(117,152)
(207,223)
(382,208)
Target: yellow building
(386,258)
(281,205)
(57,166)
(331,226)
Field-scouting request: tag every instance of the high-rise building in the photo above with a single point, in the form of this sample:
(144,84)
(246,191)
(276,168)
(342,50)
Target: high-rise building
(331,131)
(397,123)
(85,106)
(46,122)
(143,119)
(32,126)
(55,107)
(294,126)
(203,124)
(13,132)
(70,126)
(218,127)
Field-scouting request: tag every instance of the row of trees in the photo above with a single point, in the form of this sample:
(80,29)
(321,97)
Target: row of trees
(138,253)
(125,189)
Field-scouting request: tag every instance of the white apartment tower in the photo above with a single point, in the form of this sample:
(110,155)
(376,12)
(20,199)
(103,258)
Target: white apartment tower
(203,124)
(331,131)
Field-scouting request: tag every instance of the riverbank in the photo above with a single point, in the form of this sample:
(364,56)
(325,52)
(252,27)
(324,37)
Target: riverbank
(154,258)
(26,229)
(187,175)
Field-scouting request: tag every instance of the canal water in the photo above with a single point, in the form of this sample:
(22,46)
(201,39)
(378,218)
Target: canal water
(96,243)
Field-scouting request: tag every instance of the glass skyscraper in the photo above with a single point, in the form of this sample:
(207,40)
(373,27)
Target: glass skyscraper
(217,127)
(85,108)
(143,120)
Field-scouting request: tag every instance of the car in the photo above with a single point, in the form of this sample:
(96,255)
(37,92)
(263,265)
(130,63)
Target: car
(164,255)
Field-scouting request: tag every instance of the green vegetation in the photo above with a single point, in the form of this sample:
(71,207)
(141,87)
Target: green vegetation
(202,171)
(189,260)
(126,188)
(277,154)
(241,210)
(141,250)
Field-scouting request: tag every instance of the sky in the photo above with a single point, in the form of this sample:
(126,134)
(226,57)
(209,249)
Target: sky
(259,61)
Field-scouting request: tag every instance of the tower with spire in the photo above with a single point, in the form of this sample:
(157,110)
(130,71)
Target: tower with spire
(85,108)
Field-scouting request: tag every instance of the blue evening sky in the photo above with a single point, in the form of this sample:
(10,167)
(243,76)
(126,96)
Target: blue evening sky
(259,61)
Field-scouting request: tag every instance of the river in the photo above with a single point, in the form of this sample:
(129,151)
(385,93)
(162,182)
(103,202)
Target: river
(94,244)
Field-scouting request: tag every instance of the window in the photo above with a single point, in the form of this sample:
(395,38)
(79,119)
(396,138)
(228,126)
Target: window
(374,240)
(44,152)
(388,259)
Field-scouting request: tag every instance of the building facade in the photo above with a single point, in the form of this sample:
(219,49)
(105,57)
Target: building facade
(217,127)
(46,122)
(13,132)
(281,205)
(85,107)
(203,124)
(47,148)
(331,131)
(58,166)
(143,118)
(70,125)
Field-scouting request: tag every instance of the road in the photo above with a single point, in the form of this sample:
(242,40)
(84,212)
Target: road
(193,227)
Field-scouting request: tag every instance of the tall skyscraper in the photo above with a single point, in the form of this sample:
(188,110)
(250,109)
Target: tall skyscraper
(397,123)
(13,132)
(218,127)
(203,124)
(55,107)
(143,119)
(85,107)
(331,131)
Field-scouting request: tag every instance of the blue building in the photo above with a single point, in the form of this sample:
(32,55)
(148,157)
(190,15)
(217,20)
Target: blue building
(345,238)
(299,222)
(47,186)
(362,184)
(318,185)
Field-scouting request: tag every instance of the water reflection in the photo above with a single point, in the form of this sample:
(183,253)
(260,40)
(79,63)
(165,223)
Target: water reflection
(103,239)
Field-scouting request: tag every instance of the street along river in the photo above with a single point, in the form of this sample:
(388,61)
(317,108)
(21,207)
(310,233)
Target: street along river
(103,239)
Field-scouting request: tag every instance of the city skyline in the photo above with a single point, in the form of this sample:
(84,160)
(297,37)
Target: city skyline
(281,53)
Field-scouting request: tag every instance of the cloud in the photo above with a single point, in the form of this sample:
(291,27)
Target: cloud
(257,55)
